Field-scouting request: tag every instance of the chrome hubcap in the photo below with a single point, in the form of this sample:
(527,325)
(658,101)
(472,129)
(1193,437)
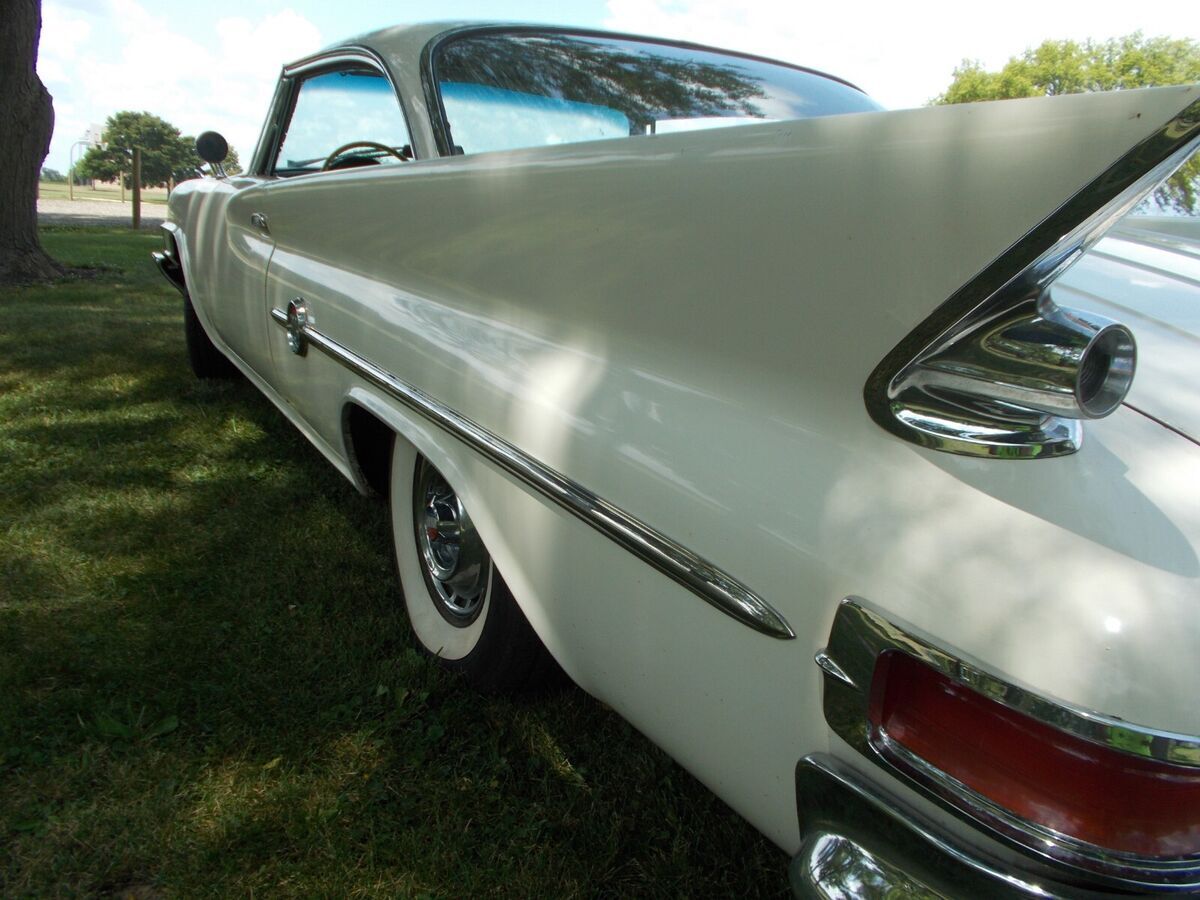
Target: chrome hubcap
(455,560)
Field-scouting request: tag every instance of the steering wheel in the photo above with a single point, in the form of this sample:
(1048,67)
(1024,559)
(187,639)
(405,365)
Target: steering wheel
(369,145)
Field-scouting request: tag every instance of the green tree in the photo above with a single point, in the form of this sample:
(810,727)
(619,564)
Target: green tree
(53,176)
(1069,67)
(165,153)
(232,164)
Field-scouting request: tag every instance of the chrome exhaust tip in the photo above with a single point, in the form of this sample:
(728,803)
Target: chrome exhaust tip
(1041,359)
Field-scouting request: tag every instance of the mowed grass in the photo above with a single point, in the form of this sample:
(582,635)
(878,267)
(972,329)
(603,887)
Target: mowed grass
(207,683)
(60,190)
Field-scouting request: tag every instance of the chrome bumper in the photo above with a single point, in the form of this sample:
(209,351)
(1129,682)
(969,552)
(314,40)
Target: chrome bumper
(860,843)
(170,268)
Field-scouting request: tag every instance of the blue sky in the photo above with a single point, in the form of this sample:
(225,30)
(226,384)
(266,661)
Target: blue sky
(214,64)
(342,19)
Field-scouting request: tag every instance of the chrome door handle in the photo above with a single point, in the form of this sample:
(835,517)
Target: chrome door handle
(259,221)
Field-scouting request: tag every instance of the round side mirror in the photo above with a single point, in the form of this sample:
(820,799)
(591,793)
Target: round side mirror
(212,148)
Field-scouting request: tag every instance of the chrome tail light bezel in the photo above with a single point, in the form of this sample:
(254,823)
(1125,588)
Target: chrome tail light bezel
(861,634)
(917,393)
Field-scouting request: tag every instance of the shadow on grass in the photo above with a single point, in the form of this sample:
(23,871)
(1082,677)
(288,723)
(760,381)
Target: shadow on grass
(207,685)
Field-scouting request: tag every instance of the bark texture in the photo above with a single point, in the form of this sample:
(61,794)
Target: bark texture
(28,122)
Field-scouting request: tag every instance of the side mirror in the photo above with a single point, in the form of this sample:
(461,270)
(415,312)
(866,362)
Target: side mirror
(212,148)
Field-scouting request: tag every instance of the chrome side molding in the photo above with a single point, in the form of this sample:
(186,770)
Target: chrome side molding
(712,585)
(998,370)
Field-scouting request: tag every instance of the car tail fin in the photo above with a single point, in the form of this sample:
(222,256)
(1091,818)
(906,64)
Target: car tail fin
(998,370)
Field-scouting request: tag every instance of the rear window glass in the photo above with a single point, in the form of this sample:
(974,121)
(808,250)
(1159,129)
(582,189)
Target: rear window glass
(526,89)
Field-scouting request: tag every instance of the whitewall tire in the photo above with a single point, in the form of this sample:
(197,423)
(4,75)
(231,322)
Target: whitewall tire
(460,609)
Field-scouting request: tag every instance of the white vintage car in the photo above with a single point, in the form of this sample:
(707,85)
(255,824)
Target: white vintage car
(799,443)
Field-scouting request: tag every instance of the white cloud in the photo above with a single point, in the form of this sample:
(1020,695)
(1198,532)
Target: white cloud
(70,31)
(199,70)
(903,54)
(197,73)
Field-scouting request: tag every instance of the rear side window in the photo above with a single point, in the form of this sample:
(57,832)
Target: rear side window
(503,90)
(334,109)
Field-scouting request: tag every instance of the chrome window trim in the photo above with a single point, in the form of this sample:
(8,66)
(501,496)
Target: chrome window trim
(1019,274)
(265,149)
(293,76)
(716,587)
(332,59)
(860,634)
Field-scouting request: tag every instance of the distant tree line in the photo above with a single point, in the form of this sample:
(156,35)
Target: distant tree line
(1070,67)
(53,176)
(168,157)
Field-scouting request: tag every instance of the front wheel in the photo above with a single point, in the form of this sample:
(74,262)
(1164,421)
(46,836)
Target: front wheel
(460,609)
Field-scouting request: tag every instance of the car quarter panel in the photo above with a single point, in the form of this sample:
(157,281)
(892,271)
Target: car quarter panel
(225,262)
(683,324)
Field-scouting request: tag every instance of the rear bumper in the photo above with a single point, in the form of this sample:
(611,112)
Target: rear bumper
(859,842)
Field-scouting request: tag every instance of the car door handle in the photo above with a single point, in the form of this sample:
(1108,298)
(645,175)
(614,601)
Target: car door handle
(259,221)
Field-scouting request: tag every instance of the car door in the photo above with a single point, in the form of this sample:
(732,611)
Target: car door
(344,122)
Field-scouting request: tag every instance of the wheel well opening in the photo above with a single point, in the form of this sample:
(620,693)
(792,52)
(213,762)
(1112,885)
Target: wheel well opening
(368,446)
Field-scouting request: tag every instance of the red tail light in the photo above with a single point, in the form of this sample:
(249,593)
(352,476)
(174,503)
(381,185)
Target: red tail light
(1092,793)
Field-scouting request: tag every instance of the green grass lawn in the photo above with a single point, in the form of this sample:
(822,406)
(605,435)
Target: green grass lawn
(59,190)
(207,683)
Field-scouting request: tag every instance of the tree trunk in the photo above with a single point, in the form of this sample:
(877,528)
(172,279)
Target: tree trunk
(23,148)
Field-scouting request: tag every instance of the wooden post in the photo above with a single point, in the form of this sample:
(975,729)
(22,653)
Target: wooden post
(137,188)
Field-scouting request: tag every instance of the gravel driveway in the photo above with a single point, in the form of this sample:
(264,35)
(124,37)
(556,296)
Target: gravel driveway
(98,212)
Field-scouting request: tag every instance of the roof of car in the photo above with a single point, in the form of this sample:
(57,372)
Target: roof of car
(411,38)
(408,41)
